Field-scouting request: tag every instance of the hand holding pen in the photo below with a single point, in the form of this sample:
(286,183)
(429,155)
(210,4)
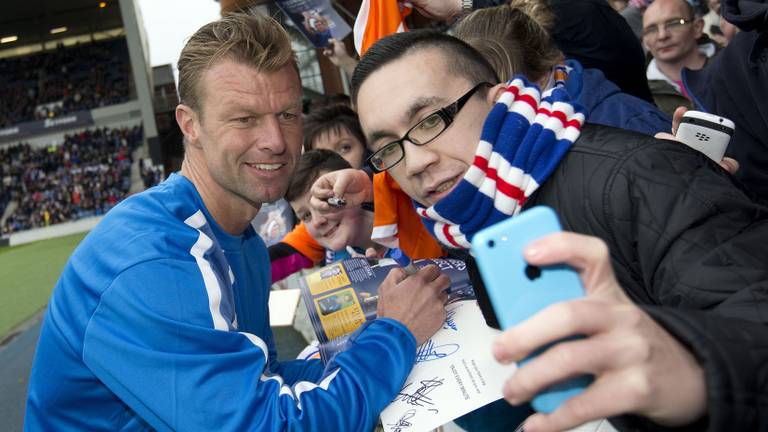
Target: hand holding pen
(417,301)
(404,260)
(338,189)
(410,269)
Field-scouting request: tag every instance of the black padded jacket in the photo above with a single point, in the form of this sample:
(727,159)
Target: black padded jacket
(689,246)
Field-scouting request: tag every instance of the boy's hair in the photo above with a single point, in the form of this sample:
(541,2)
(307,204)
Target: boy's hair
(311,165)
(515,38)
(328,119)
(461,59)
(254,40)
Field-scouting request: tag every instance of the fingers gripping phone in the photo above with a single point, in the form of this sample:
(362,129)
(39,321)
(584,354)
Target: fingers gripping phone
(707,133)
(518,290)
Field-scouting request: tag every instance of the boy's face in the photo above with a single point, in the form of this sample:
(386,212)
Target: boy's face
(344,143)
(334,231)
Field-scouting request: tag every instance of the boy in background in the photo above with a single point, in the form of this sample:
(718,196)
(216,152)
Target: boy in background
(334,232)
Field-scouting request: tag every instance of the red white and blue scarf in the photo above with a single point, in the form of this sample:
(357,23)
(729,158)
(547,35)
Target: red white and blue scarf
(523,140)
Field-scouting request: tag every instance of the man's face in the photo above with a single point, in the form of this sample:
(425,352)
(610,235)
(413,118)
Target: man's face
(344,143)
(249,130)
(320,25)
(336,230)
(670,43)
(402,93)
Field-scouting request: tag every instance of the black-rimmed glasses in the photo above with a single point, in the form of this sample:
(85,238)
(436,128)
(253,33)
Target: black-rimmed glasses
(423,132)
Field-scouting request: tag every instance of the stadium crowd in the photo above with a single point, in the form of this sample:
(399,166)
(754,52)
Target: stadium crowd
(85,176)
(64,80)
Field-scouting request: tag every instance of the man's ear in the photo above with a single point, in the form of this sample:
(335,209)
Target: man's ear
(698,27)
(188,122)
(495,93)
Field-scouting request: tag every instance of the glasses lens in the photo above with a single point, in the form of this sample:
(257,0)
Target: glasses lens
(650,31)
(427,129)
(376,163)
(387,156)
(674,24)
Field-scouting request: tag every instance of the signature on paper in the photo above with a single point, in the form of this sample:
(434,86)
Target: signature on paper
(429,351)
(421,396)
(403,423)
(450,323)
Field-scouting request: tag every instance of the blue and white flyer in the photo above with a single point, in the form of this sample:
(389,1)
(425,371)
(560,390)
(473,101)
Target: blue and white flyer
(455,373)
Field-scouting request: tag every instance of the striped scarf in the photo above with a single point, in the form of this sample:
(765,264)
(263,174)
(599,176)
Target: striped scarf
(523,140)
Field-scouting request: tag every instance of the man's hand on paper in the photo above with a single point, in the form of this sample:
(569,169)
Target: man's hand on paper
(729,164)
(353,185)
(417,301)
(638,367)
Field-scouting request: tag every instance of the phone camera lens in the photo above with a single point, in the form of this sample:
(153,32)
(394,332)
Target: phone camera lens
(491,243)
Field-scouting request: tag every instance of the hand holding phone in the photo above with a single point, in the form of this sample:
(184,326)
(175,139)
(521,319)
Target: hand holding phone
(707,133)
(518,291)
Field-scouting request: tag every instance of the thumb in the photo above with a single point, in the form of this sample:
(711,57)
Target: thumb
(666,136)
(677,117)
(395,276)
(729,164)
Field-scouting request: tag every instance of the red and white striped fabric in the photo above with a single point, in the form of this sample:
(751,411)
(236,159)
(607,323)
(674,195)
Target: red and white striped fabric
(523,140)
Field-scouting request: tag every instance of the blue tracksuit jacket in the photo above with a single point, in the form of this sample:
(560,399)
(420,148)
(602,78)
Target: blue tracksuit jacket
(160,321)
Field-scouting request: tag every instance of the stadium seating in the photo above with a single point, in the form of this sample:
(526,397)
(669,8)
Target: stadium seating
(84,176)
(64,80)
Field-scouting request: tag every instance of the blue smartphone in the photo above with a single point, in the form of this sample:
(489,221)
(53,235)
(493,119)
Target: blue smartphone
(518,290)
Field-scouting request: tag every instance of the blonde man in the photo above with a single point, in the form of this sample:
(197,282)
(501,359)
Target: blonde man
(160,318)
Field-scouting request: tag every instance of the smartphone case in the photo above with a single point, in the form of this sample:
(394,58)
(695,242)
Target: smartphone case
(518,291)
(707,133)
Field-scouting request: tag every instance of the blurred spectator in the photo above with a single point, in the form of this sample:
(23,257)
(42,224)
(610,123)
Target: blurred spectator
(324,101)
(516,39)
(671,30)
(618,5)
(64,80)
(152,175)
(735,85)
(336,128)
(338,55)
(84,176)
(633,14)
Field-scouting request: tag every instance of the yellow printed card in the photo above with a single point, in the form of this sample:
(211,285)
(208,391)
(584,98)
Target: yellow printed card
(340,313)
(329,278)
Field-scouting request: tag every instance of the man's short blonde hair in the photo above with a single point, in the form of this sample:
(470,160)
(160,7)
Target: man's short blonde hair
(254,40)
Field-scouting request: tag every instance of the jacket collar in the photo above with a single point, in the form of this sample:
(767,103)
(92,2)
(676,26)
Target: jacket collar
(654,73)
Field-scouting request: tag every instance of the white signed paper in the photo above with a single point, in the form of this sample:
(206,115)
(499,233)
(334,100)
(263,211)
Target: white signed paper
(455,373)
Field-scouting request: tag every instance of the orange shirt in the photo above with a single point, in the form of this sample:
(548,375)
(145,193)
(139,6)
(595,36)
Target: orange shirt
(396,223)
(300,240)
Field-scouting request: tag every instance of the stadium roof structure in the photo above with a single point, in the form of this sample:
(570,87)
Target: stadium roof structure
(28,22)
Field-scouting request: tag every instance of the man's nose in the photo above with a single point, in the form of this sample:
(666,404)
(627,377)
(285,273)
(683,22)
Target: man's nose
(663,33)
(418,158)
(270,135)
